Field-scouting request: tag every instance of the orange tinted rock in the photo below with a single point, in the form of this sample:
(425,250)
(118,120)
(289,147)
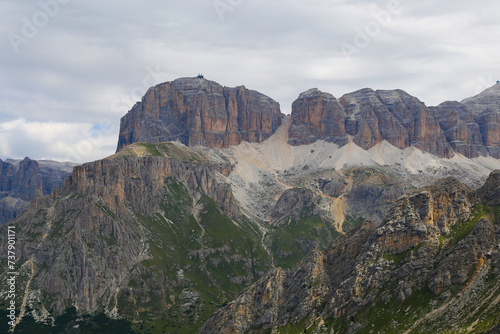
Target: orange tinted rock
(200,112)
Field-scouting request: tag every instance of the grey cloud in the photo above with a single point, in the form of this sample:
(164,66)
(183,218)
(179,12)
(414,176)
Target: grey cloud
(91,61)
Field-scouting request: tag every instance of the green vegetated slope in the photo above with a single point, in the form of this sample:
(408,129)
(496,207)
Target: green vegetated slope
(138,237)
(151,240)
(432,266)
(293,235)
(204,261)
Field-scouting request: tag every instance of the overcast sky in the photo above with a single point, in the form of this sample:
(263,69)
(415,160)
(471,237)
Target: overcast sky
(69,69)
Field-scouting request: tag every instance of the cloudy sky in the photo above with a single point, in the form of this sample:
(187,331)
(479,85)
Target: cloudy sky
(69,69)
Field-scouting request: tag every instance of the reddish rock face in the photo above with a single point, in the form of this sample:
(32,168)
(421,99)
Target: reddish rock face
(369,117)
(317,115)
(200,112)
(472,127)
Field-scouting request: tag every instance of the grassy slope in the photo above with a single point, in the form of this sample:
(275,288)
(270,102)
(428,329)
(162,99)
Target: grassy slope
(179,239)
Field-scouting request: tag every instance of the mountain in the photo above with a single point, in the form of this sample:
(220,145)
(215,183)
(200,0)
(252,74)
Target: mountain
(197,111)
(140,235)
(432,266)
(369,117)
(21,180)
(161,235)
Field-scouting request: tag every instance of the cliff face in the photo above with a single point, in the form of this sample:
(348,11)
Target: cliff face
(470,128)
(200,112)
(164,234)
(432,266)
(20,181)
(369,117)
(140,233)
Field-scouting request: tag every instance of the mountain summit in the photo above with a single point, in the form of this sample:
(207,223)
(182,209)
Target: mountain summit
(197,111)
(368,117)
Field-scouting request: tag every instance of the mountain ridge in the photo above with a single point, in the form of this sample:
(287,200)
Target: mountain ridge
(300,226)
(202,112)
(22,180)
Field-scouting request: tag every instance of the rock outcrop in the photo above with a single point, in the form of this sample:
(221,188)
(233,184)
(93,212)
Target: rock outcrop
(472,127)
(432,266)
(140,234)
(21,181)
(197,111)
(164,234)
(368,117)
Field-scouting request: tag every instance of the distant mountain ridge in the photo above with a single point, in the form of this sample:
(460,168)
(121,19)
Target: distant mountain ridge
(368,117)
(201,112)
(21,180)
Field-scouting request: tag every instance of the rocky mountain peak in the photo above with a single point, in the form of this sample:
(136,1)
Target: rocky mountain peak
(490,96)
(368,117)
(470,127)
(197,111)
(315,93)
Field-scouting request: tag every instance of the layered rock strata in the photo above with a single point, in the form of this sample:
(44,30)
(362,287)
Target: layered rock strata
(197,111)
(368,117)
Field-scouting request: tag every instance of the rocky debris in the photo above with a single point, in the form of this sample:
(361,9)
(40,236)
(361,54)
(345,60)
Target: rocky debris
(292,204)
(197,111)
(437,244)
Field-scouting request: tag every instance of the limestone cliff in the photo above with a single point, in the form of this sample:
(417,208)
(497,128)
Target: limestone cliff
(472,126)
(368,117)
(200,112)
(141,235)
